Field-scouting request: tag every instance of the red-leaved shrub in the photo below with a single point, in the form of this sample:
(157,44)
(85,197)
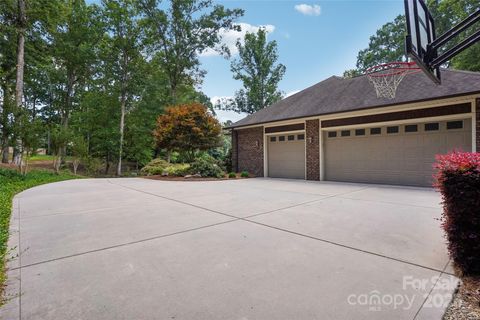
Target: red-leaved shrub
(458,179)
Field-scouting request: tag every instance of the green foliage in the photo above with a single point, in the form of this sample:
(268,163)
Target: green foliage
(90,65)
(227,161)
(178,169)
(232,175)
(93,166)
(159,166)
(207,166)
(244,174)
(11,183)
(352,73)
(256,68)
(155,167)
(387,45)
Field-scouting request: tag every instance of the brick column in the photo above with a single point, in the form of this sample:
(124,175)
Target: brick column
(313,149)
(250,150)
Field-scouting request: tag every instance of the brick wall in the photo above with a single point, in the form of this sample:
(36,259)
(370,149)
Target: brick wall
(249,151)
(313,149)
(477,130)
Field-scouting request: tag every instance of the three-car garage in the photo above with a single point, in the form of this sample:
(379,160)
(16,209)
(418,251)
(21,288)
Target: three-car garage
(339,130)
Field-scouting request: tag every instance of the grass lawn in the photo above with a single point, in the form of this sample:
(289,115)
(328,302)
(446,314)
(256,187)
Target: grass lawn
(11,183)
(41,157)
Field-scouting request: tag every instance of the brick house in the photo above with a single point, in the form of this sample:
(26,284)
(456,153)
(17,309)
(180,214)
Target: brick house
(339,130)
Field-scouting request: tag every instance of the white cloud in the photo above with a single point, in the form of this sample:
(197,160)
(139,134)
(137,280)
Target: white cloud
(291,93)
(229,37)
(308,10)
(223,115)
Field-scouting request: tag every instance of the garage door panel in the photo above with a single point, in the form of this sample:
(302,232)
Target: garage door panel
(399,158)
(286,159)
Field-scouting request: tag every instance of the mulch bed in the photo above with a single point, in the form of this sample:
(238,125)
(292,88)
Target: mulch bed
(466,302)
(174,178)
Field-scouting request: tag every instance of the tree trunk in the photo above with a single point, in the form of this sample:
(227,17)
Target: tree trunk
(107,163)
(5,151)
(66,112)
(123,102)
(22,21)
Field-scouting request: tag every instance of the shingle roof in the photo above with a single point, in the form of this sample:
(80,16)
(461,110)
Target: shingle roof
(337,94)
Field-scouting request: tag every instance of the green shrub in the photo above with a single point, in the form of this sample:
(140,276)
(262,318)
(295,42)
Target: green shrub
(227,161)
(93,166)
(244,174)
(178,169)
(232,175)
(11,183)
(155,167)
(206,166)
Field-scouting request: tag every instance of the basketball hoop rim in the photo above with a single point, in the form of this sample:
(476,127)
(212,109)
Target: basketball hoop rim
(396,68)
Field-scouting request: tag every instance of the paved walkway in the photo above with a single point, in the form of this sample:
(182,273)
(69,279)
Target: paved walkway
(243,249)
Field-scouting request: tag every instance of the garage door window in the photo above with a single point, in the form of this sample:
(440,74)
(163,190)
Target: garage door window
(281,138)
(332,134)
(411,128)
(273,139)
(291,138)
(346,133)
(360,132)
(434,126)
(391,130)
(454,125)
(301,137)
(375,130)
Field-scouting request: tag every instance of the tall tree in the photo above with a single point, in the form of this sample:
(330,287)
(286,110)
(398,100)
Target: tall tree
(387,45)
(257,69)
(183,31)
(7,73)
(21,27)
(124,51)
(74,40)
(187,128)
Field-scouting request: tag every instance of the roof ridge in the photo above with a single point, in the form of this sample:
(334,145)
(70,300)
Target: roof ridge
(461,71)
(336,94)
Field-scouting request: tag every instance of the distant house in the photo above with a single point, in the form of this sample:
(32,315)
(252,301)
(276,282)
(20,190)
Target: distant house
(339,130)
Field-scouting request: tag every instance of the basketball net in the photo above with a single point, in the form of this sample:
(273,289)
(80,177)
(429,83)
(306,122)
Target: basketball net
(387,77)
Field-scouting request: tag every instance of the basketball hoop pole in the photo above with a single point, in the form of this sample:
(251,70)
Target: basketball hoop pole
(434,61)
(422,44)
(449,35)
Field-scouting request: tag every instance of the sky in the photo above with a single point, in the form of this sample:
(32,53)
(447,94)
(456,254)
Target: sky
(316,39)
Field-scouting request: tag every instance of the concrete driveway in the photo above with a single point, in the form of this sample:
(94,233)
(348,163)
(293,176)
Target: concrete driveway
(244,249)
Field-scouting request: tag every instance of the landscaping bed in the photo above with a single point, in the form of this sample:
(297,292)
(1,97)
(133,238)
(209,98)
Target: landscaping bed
(196,178)
(466,302)
(11,183)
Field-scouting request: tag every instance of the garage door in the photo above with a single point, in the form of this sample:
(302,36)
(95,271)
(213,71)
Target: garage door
(286,156)
(401,154)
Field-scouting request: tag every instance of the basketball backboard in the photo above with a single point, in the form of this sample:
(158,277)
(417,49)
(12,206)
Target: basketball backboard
(420,36)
